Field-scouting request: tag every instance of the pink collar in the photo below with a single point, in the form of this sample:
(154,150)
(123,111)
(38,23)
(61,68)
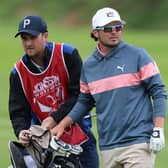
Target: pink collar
(99,49)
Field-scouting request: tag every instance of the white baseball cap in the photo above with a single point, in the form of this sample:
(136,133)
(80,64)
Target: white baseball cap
(104,16)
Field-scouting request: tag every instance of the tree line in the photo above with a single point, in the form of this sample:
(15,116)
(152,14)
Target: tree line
(137,13)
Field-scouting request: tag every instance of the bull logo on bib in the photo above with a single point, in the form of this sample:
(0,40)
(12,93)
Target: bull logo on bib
(49,94)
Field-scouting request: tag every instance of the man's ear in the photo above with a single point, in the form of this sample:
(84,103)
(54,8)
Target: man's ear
(46,35)
(95,33)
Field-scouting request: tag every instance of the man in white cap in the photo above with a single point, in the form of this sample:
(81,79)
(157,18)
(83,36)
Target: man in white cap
(125,85)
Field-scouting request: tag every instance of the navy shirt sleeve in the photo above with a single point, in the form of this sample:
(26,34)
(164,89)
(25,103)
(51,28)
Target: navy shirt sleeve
(19,109)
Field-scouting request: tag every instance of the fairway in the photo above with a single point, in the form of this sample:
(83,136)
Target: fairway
(153,41)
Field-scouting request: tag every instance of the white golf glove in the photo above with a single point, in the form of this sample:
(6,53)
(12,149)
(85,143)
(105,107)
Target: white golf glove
(157,140)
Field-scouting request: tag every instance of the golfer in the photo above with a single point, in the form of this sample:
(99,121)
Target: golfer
(124,83)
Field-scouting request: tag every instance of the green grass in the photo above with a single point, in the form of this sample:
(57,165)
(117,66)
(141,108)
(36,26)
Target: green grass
(154,42)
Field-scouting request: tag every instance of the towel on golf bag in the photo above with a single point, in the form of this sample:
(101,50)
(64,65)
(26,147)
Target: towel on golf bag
(39,142)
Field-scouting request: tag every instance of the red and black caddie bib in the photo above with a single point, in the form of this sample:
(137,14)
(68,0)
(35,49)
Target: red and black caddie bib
(47,90)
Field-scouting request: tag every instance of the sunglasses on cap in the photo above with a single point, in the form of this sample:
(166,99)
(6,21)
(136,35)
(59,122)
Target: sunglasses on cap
(107,29)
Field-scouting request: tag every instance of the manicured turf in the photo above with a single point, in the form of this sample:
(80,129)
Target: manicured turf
(154,41)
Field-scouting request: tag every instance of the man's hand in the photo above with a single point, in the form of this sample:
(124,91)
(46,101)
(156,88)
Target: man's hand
(24,136)
(49,123)
(57,131)
(157,140)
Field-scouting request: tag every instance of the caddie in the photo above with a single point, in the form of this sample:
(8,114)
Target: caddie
(44,85)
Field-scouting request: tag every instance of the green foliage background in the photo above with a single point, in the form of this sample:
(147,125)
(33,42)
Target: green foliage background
(69,21)
(138,13)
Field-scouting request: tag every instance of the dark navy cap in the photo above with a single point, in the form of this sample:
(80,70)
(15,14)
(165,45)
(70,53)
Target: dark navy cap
(32,25)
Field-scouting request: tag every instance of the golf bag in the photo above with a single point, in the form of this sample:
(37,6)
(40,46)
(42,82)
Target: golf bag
(44,152)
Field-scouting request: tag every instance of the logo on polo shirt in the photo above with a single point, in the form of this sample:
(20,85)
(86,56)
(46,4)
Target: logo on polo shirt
(121,67)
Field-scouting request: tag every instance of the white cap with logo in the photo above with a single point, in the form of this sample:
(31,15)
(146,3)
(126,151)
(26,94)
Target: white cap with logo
(104,16)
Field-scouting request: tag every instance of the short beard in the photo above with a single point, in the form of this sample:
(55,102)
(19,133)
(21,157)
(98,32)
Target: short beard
(109,45)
